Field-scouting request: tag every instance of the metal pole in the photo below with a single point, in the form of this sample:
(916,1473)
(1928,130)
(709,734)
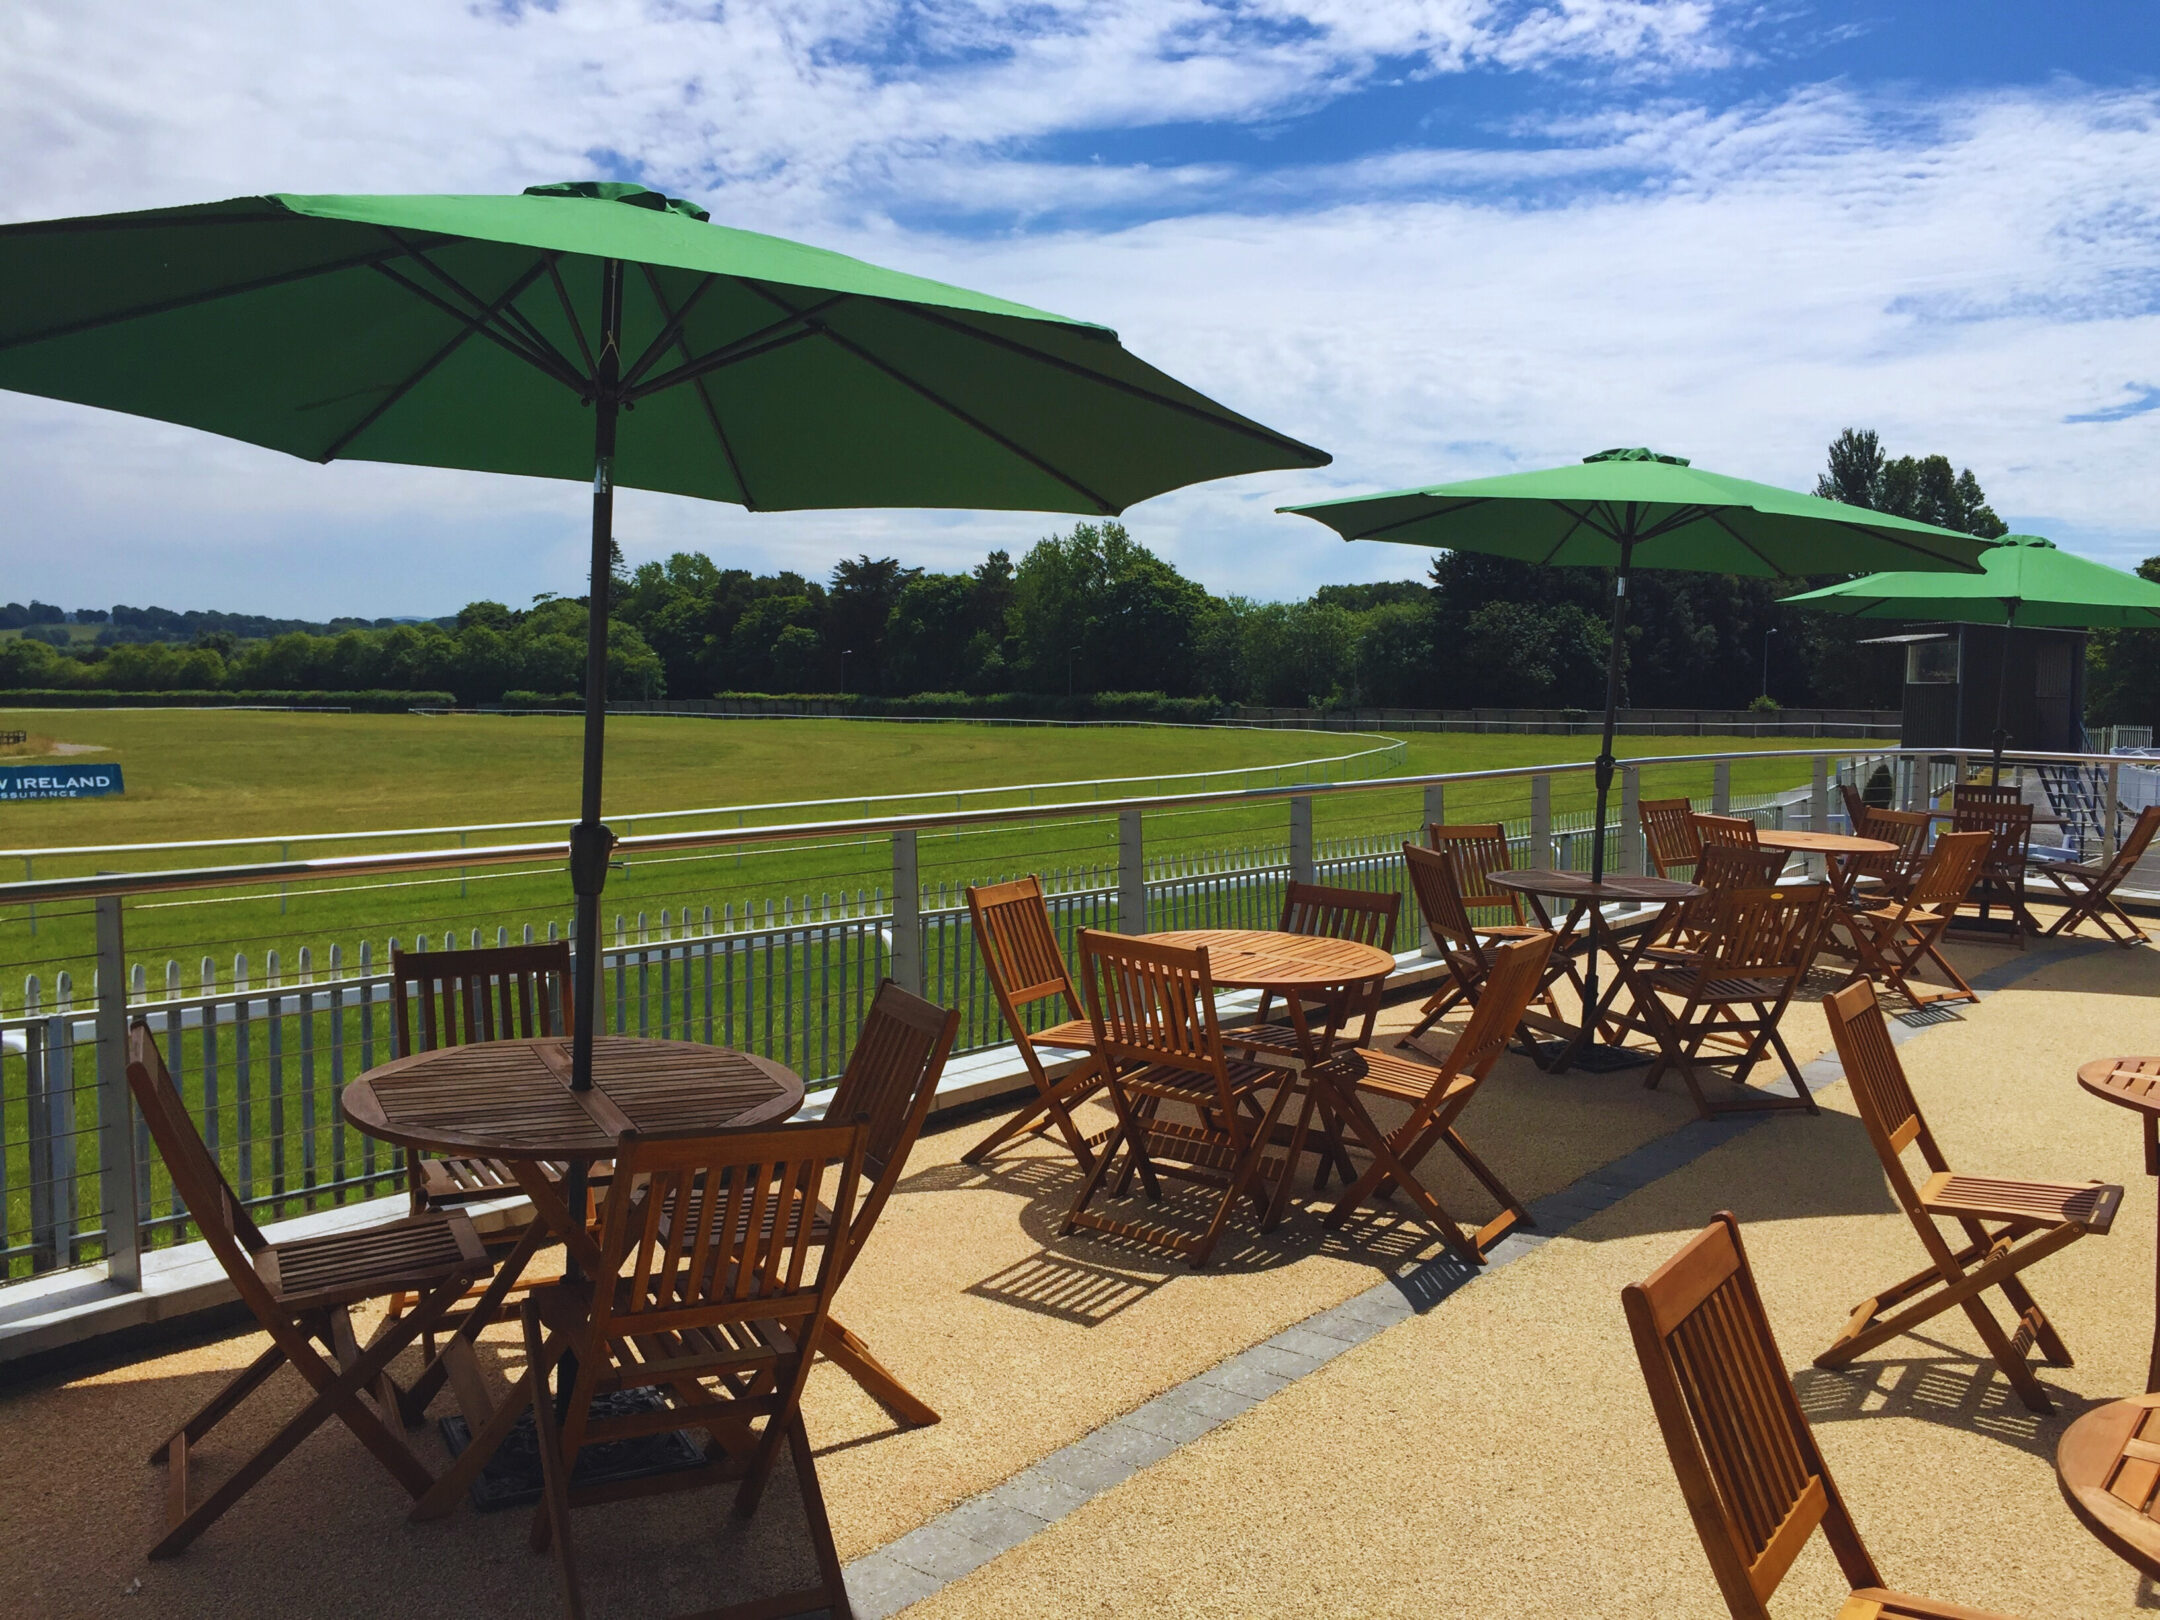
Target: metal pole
(590,842)
(1131,874)
(1541,822)
(1435,806)
(907,951)
(1721,788)
(1631,850)
(1819,809)
(1301,856)
(1604,781)
(117,1190)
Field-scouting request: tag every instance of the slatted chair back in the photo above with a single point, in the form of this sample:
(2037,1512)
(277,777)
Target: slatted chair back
(1435,883)
(2009,828)
(1981,797)
(1951,869)
(1880,1090)
(1727,830)
(1363,916)
(1856,807)
(233,1237)
(1670,836)
(1020,948)
(1765,933)
(1478,850)
(1518,974)
(1908,829)
(890,1082)
(2132,849)
(1753,1477)
(747,1251)
(1721,868)
(1152,1004)
(501,993)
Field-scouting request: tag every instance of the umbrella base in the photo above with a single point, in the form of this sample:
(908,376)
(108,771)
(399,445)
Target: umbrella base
(1593,1057)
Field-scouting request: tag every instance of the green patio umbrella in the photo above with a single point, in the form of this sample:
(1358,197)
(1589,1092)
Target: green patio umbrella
(599,331)
(2024,583)
(1635,508)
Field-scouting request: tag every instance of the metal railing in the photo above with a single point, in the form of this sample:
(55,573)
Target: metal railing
(262,1050)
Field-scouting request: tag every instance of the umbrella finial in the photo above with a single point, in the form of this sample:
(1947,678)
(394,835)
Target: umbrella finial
(622,191)
(1638,453)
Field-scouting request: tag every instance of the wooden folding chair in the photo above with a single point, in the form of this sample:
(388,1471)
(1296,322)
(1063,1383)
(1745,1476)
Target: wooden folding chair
(1436,883)
(1856,807)
(1891,942)
(1727,830)
(891,1080)
(1366,916)
(301,1293)
(722,1328)
(1734,991)
(1436,1097)
(452,998)
(2030,1219)
(1719,867)
(1753,1477)
(2001,881)
(2090,890)
(1670,836)
(1891,875)
(1021,954)
(1478,849)
(1153,1008)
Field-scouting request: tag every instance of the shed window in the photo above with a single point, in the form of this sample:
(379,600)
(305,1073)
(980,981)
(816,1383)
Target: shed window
(1931,663)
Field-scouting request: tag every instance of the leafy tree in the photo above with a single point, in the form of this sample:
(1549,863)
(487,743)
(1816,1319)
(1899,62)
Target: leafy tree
(1099,610)
(2122,678)
(1922,487)
(859,602)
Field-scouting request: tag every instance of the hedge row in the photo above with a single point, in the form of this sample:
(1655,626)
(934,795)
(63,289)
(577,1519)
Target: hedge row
(374,701)
(921,706)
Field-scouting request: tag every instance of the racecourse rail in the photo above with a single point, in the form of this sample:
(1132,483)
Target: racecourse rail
(262,1050)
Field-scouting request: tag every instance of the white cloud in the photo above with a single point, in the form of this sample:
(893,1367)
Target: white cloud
(1735,284)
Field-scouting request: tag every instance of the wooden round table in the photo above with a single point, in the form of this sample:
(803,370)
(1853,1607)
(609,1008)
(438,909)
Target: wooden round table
(512,1100)
(1579,1044)
(2134,1083)
(1263,959)
(2108,1465)
(1836,849)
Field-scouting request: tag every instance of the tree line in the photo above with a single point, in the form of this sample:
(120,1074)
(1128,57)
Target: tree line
(1092,611)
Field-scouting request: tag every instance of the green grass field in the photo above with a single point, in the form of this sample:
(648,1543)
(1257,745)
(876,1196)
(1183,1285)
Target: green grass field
(307,778)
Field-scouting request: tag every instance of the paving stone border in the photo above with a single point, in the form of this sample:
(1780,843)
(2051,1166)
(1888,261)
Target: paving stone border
(957,1543)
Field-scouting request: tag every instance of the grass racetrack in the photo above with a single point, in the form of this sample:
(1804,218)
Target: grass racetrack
(304,778)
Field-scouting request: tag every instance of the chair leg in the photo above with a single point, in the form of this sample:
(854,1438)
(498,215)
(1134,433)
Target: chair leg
(243,1384)
(1048,1109)
(554,1467)
(845,1351)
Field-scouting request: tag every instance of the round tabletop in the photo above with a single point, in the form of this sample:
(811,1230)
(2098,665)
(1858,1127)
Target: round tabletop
(1262,959)
(2132,1082)
(2108,1464)
(512,1099)
(1800,842)
(1577,886)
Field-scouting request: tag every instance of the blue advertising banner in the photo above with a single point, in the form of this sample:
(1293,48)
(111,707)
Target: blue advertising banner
(59,781)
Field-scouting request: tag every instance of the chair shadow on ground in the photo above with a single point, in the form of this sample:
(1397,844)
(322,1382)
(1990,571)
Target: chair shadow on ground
(1954,1388)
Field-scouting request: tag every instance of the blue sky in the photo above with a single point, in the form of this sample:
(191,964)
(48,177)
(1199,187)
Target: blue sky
(1439,238)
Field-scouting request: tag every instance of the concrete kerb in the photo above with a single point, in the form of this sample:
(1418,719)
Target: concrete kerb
(958,1542)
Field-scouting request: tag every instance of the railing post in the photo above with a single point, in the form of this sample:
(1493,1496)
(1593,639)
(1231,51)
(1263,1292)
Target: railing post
(907,952)
(1819,810)
(1721,788)
(1541,822)
(1301,857)
(1131,874)
(1435,808)
(2112,811)
(116,1125)
(1631,852)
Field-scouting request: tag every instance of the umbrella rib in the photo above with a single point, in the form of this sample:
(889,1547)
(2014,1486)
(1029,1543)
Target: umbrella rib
(577,327)
(1581,518)
(672,331)
(704,394)
(505,340)
(1910,545)
(165,306)
(154,221)
(1421,517)
(964,417)
(541,349)
(742,348)
(472,324)
(1251,430)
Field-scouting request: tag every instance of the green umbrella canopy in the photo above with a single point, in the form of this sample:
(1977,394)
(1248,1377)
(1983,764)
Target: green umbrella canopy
(2025,581)
(466,332)
(1637,508)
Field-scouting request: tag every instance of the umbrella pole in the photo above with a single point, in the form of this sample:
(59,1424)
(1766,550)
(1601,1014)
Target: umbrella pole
(2002,680)
(1587,1041)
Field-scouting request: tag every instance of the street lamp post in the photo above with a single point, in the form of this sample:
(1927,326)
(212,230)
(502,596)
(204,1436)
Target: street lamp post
(1766,635)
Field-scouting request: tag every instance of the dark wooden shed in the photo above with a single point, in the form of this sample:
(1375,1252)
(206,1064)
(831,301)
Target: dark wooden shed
(1960,677)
